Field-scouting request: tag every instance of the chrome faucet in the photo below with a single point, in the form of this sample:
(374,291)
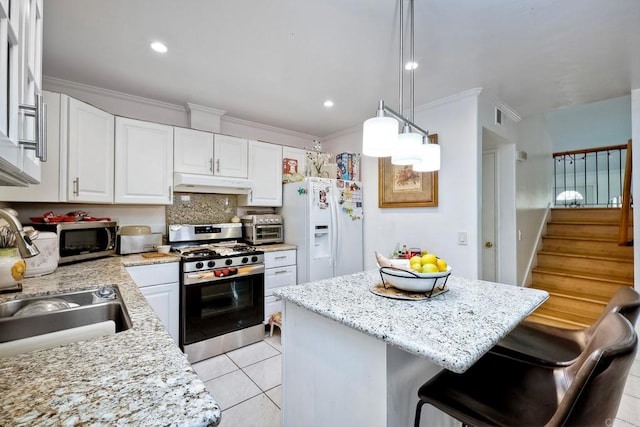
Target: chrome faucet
(25,246)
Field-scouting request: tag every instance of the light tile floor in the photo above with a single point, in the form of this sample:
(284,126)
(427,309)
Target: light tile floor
(246,384)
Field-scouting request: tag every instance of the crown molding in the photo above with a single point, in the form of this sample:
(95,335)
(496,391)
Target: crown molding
(203,109)
(60,85)
(448,99)
(270,128)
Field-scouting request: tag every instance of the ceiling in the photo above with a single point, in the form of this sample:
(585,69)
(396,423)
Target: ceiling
(276,61)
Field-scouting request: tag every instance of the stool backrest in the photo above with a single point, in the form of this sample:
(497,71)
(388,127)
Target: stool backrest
(595,381)
(625,301)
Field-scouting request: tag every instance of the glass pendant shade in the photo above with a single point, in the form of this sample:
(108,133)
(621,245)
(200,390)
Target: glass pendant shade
(407,149)
(430,158)
(379,136)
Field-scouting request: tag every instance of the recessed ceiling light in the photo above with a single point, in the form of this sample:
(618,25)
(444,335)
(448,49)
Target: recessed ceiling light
(411,66)
(328,103)
(159,47)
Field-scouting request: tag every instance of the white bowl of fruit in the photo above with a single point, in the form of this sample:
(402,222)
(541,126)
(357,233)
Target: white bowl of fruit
(425,272)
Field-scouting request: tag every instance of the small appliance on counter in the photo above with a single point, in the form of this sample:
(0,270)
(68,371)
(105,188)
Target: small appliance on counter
(262,228)
(82,240)
(46,261)
(135,239)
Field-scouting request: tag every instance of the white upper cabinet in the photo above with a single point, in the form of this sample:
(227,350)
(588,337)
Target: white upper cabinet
(144,162)
(193,151)
(21,81)
(230,156)
(265,171)
(89,153)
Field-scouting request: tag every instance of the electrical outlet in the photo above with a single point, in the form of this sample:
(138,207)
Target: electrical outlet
(462,238)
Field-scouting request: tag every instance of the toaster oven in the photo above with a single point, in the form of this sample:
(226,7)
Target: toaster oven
(260,229)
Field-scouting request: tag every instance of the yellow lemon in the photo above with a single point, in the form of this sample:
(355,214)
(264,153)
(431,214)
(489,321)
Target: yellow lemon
(429,268)
(428,259)
(442,264)
(416,266)
(18,269)
(414,259)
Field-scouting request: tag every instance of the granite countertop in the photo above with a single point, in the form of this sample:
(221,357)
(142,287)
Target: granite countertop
(452,330)
(135,377)
(275,247)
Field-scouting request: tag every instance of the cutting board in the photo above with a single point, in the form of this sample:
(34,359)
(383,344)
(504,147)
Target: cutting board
(54,339)
(153,255)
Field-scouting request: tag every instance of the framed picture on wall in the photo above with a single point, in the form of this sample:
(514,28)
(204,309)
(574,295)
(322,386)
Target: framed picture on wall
(402,187)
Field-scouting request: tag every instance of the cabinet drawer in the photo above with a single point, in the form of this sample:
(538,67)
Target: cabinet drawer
(279,258)
(155,274)
(271,305)
(277,277)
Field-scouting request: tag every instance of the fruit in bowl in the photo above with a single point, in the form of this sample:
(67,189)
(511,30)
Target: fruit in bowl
(427,263)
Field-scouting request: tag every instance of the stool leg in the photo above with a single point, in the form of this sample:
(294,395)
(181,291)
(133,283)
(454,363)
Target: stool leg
(418,410)
(271,330)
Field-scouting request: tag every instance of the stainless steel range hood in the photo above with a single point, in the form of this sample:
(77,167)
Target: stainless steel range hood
(194,183)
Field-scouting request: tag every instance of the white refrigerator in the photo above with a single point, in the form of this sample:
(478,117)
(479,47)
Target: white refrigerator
(323,218)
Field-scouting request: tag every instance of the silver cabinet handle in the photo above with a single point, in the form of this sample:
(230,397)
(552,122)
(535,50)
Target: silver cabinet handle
(76,186)
(211,164)
(35,111)
(43,133)
(170,194)
(218,165)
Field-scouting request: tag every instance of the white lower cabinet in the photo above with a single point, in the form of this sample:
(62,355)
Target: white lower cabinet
(280,270)
(159,285)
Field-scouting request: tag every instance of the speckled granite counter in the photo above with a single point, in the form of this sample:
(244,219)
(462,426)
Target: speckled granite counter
(452,330)
(135,377)
(276,247)
(137,259)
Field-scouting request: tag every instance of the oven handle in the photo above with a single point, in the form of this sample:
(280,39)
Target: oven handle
(209,276)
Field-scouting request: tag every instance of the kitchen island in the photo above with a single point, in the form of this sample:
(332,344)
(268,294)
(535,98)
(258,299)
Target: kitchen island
(355,358)
(136,377)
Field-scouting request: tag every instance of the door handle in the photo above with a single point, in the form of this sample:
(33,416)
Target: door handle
(488,245)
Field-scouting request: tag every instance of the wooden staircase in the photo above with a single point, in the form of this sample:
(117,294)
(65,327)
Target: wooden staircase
(581,265)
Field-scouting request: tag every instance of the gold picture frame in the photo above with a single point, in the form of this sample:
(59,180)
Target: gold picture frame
(401,187)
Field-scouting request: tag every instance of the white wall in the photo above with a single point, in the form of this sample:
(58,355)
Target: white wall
(597,124)
(455,120)
(534,182)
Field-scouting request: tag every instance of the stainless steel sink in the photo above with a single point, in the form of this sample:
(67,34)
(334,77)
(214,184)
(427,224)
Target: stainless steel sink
(89,307)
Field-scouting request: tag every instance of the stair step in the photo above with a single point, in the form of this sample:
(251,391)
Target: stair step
(583,246)
(553,321)
(570,303)
(563,282)
(590,266)
(587,215)
(577,320)
(597,230)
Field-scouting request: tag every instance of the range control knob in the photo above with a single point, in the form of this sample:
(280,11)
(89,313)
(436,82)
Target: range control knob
(245,260)
(199,265)
(254,259)
(211,264)
(228,261)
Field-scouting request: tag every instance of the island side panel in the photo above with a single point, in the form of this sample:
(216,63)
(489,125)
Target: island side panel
(331,374)
(406,372)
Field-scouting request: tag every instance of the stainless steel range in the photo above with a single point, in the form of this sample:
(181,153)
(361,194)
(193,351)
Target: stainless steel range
(221,289)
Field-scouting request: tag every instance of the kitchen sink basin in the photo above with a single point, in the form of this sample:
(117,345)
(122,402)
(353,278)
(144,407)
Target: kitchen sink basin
(85,316)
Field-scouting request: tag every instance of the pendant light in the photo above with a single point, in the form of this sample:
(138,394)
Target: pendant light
(378,138)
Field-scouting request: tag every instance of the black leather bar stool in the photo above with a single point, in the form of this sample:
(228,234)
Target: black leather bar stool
(501,391)
(556,346)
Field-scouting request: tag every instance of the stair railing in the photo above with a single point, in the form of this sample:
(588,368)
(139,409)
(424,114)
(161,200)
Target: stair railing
(625,211)
(590,177)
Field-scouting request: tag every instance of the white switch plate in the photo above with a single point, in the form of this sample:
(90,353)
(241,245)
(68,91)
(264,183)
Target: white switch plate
(462,238)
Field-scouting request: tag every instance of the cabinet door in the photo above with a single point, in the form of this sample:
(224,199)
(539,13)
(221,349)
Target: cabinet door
(265,170)
(144,162)
(49,189)
(277,277)
(230,156)
(193,151)
(89,154)
(163,299)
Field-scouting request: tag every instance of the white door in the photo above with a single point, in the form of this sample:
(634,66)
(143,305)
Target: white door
(489,265)
(230,156)
(164,300)
(90,153)
(144,162)
(347,201)
(193,151)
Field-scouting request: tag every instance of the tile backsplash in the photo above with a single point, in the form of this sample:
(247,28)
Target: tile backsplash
(199,208)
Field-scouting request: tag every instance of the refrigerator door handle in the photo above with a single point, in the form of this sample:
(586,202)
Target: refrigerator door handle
(335,238)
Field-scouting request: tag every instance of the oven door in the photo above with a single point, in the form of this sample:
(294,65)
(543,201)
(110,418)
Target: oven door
(219,305)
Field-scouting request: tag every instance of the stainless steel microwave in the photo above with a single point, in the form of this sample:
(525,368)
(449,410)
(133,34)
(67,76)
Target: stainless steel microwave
(83,240)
